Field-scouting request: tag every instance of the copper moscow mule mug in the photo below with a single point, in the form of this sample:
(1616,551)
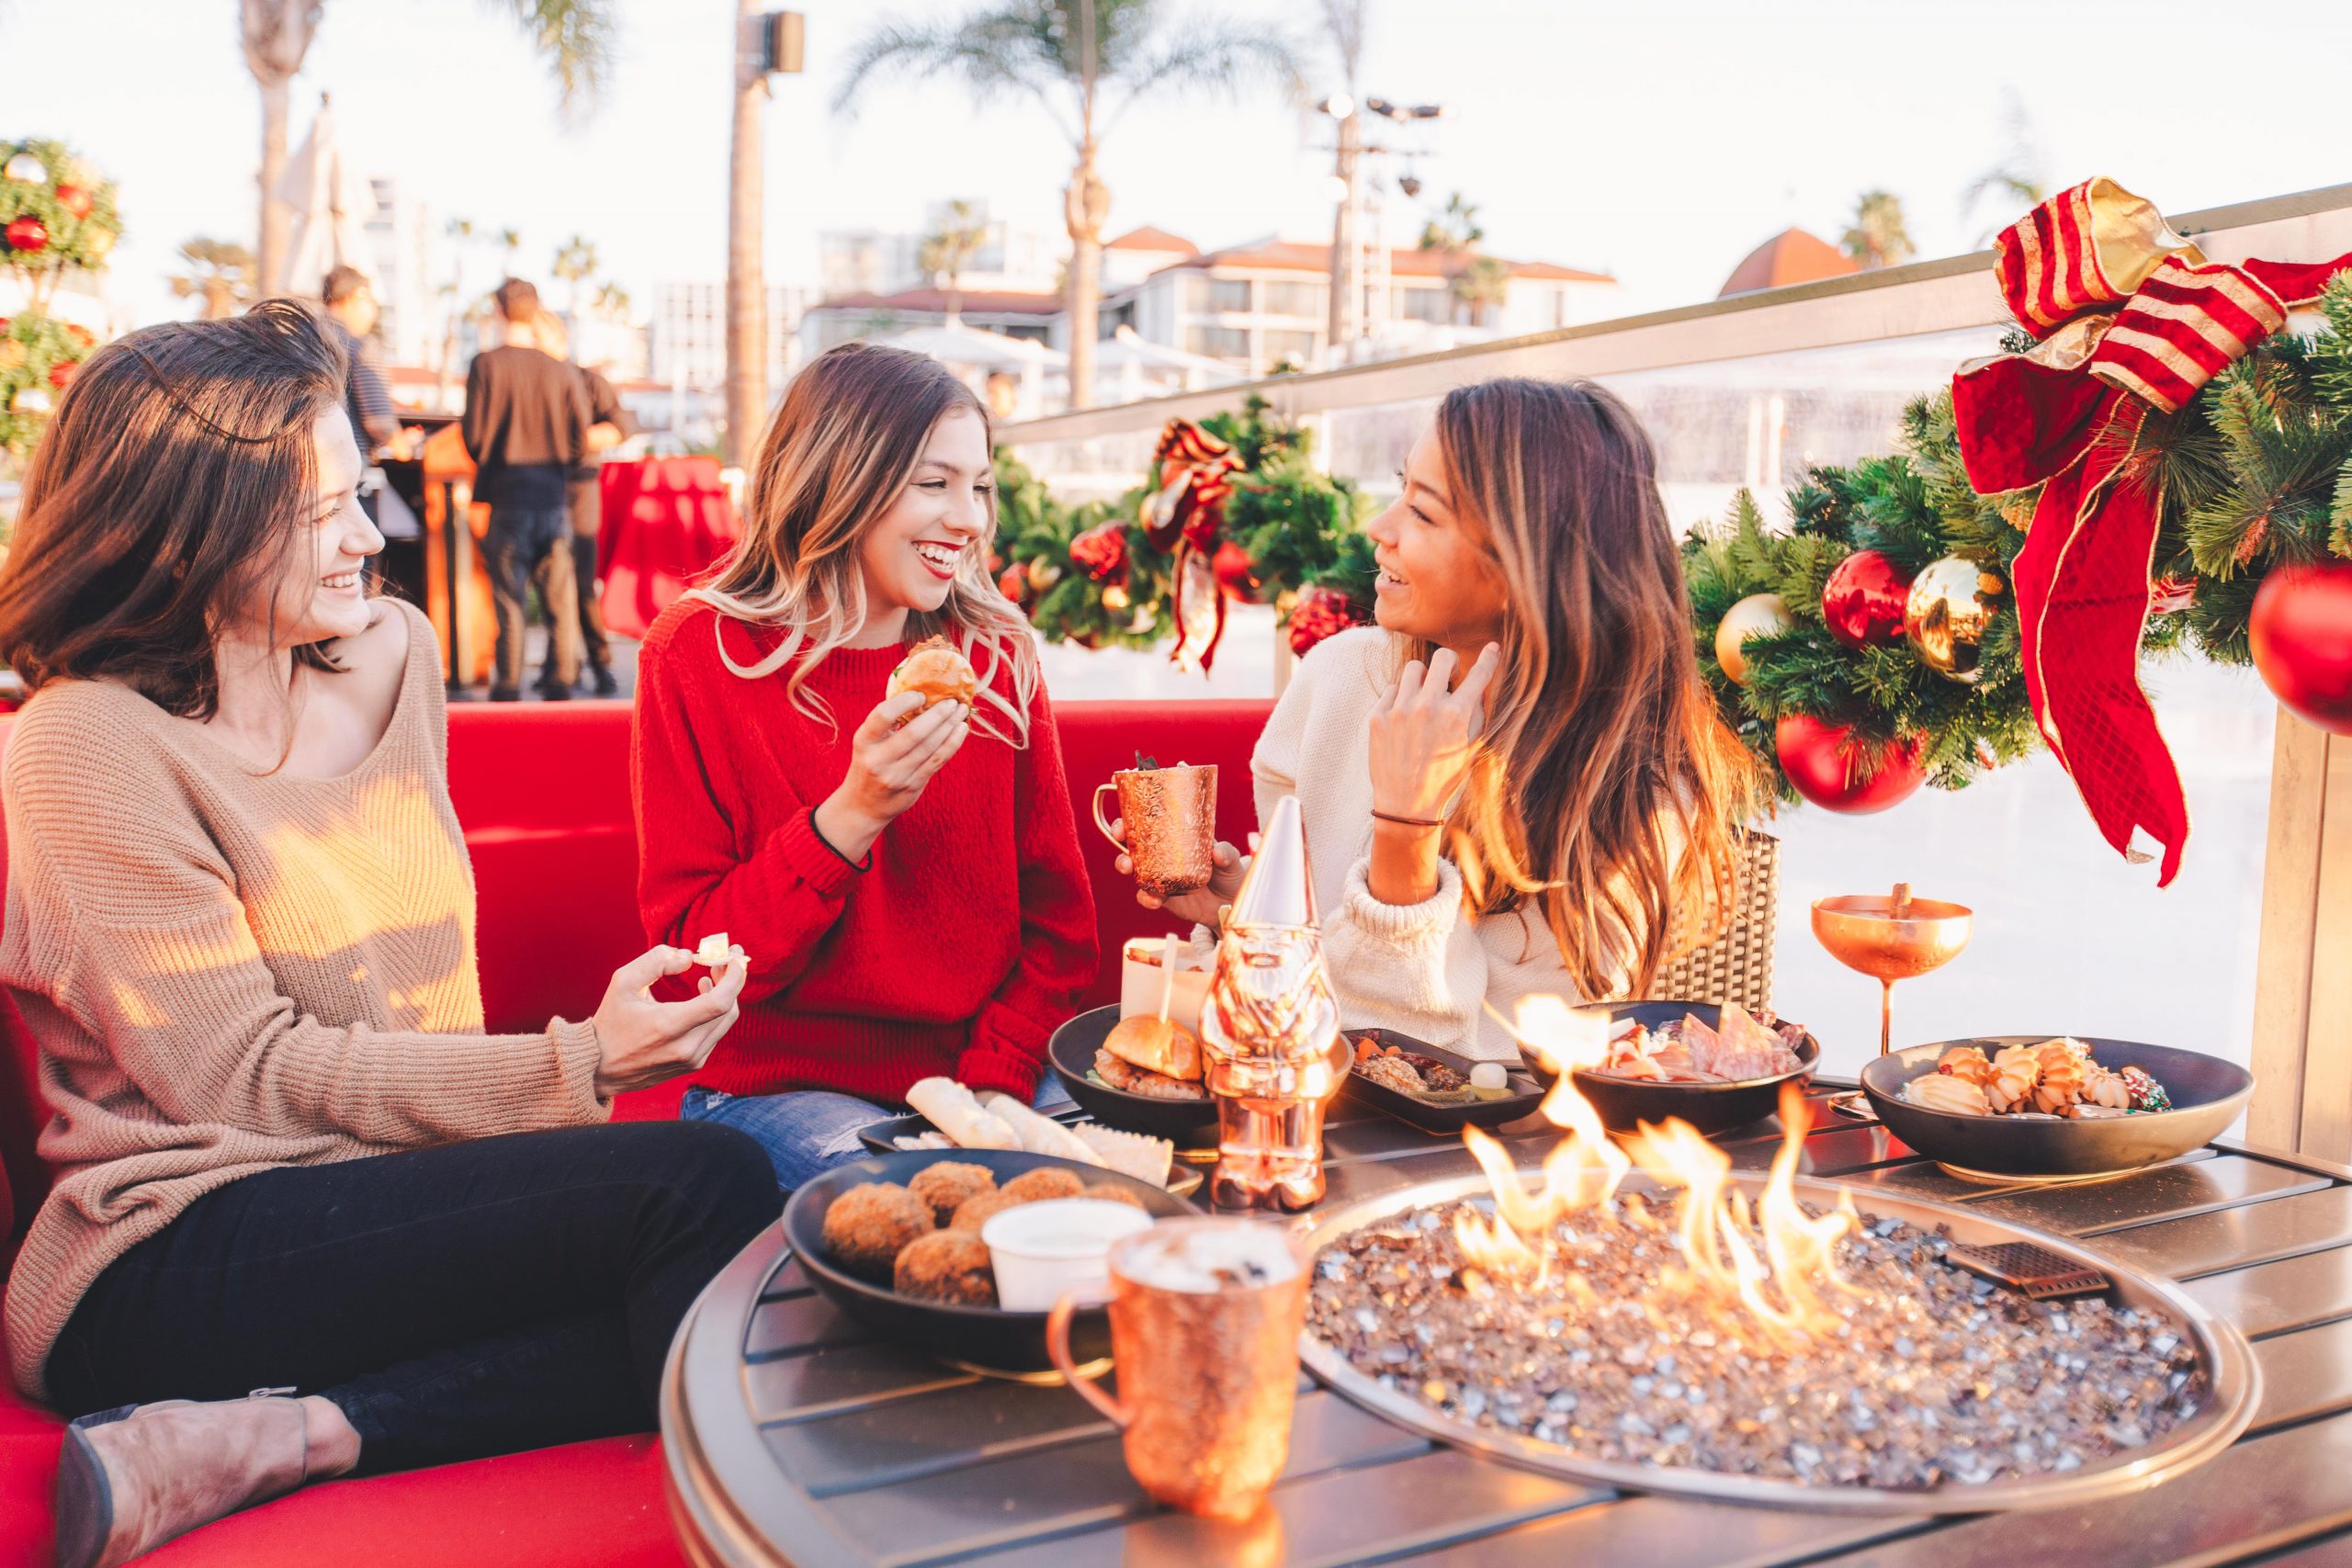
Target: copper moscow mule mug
(1171,824)
(1207,1362)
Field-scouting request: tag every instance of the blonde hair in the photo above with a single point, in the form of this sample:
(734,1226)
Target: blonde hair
(834,460)
(1599,740)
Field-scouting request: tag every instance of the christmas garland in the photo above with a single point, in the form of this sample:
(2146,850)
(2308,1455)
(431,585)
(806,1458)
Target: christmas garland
(1234,510)
(55,213)
(1889,655)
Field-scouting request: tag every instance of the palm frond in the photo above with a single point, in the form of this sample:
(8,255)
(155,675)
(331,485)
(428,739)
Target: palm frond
(994,53)
(575,37)
(1206,56)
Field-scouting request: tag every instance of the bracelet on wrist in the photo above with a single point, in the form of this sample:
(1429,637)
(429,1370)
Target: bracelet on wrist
(1422,822)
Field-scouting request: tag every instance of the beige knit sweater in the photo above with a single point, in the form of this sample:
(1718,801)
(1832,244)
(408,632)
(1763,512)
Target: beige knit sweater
(228,972)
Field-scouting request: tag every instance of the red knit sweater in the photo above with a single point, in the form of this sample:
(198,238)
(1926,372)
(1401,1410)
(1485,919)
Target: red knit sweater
(964,940)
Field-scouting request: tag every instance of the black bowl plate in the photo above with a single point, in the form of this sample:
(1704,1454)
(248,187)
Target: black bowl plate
(1445,1120)
(1711,1108)
(2207,1094)
(1187,1124)
(985,1338)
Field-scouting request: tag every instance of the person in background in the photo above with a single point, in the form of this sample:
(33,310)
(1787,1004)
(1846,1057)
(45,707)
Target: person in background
(527,425)
(351,307)
(611,425)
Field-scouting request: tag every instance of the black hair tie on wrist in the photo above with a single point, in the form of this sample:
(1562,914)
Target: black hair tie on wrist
(1406,821)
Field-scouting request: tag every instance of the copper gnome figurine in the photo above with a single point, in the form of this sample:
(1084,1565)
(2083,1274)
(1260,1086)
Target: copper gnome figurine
(1270,1032)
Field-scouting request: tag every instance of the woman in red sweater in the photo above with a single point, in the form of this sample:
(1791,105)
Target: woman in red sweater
(905,880)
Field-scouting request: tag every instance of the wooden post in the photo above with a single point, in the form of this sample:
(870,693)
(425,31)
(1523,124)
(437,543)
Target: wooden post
(2303,1006)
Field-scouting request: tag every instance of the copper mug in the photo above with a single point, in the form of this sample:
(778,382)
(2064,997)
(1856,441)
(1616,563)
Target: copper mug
(1171,816)
(1208,1374)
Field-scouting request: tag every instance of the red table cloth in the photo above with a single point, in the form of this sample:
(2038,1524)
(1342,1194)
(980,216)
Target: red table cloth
(666,520)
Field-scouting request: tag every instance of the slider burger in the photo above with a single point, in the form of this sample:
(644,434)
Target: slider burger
(1152,1055)
(938,672)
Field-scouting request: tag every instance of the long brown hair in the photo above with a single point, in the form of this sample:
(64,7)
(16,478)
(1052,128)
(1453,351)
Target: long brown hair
(1605,791)
(833,460)
(169,488)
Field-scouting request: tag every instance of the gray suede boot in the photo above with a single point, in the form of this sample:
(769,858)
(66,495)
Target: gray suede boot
(132,1478)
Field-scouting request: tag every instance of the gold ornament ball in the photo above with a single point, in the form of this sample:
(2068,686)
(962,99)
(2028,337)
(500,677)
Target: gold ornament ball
(1116,598)
(1951,605)
(1043,574)
(1758,615)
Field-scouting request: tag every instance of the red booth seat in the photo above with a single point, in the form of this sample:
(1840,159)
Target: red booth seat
(543,794)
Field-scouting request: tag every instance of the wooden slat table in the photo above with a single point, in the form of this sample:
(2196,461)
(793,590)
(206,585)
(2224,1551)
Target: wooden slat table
(792,1438)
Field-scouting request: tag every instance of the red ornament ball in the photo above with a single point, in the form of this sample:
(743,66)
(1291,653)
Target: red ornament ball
(1014,583)
(1319,613)
(1811,753)
(2301,633)
(1863,601)
(1103,552)
(62,372)
(1237,574)
(75,199)
(26,234)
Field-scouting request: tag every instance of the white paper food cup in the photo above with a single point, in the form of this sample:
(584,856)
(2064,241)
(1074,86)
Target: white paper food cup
(1041,1252)
(1139,984)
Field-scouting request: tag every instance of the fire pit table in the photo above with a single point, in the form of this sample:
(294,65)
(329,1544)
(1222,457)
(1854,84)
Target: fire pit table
(792,1438)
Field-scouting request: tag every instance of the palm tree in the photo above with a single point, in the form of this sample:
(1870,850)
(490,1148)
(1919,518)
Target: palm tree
(1482,282)
(512,238)
(573,36)
(1070,55)
(611,300)
(1454,234)
(575,262)
(1345,22)
(1877,238)
(947,249)
(461,238)
(220,273)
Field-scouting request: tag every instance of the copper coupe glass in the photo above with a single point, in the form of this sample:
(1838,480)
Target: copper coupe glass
(1893,937)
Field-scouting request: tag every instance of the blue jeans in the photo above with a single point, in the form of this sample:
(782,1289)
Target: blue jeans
(809,1132)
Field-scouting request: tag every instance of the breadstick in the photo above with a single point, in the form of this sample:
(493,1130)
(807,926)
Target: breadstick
(949,1107)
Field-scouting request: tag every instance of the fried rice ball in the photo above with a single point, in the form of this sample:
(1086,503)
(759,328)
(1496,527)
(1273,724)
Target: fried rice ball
(946,1185)
(974,1213)
(946,1266)
(1046,1182)
(866,1226)
(1111,1192)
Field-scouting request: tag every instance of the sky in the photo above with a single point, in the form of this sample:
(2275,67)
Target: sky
(1659,141)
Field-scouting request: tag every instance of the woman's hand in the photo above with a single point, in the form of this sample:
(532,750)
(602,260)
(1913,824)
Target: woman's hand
(1228,866)
(1424,736)
(891,757)
(640,1041)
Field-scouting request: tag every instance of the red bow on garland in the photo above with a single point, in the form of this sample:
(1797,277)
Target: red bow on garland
(2132,317)
(1185,514)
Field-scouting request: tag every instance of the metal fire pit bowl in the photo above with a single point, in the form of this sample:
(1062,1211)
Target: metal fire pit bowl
(2235,1381)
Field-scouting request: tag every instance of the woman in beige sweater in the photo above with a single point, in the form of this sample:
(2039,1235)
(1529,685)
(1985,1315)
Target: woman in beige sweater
(1513,784)
(240,924)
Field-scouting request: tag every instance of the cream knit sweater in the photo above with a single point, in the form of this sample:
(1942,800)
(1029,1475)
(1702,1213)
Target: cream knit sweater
(228,973)
(1424,969)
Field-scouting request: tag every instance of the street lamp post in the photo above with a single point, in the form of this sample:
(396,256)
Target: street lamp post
(1348,318)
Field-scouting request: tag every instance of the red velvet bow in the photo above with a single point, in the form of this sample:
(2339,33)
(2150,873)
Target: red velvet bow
(2132,317)
(1185,514)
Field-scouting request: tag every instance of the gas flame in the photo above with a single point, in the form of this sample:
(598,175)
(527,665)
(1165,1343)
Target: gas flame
(1772,1261)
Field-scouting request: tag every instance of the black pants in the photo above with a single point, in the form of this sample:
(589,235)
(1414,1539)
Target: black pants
(525,544)
(474,1299)
(587,503)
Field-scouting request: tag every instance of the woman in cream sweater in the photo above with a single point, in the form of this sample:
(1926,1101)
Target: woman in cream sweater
(1513,784)
(240,925)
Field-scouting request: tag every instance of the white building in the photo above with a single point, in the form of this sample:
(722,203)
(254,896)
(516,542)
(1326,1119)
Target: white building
(1263,304)
(399,237)
(687,344)
(871,262)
